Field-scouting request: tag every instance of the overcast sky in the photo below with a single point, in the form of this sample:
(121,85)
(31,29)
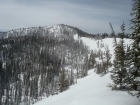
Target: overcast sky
(92,16)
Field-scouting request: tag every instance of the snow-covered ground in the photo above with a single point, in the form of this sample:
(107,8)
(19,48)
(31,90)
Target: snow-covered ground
(91,90)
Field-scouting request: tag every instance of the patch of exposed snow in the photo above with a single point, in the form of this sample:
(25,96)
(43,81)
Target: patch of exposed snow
(75,37)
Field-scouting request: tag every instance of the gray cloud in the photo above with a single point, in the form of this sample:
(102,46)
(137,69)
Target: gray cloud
(89,15)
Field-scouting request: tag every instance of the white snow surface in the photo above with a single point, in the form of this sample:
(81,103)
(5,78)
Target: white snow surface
(76,37)
(91,90)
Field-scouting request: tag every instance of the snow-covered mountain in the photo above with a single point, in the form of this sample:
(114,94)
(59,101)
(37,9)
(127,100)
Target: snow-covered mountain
(52,59)
(60,30)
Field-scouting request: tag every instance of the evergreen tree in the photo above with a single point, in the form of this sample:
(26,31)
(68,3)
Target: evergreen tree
(63,81)
(135,55)
(123,55)
(119,71)
(98,68)
(85,66)
(108,56)
(92,60)
(127,64)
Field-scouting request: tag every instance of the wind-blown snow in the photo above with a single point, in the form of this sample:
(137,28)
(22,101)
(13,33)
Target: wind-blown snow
(91,90)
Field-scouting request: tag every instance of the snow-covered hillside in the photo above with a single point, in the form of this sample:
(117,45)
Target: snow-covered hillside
(52,59)
(93,90)
(107,42)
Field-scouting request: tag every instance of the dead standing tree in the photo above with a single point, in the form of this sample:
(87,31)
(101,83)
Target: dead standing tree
(113,34)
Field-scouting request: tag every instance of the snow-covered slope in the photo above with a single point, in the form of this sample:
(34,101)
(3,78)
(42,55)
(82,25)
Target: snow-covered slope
(91,90)
(92,43)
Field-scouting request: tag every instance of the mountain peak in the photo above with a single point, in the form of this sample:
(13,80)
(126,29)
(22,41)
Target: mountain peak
(56,30)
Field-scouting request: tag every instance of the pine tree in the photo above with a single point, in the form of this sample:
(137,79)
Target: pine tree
(119,71)
(92,60)
(123,53)
(1,82)
(86,66)
(135,55)
(98,68)
(63,81)
(127,65)
(108,56)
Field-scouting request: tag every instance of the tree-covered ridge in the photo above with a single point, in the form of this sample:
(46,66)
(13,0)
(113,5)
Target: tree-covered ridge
(57,30)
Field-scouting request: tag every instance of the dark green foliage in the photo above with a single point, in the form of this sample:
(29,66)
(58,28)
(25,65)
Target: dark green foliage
(64,83)
(98,68)
(135,50)
(108,56)
(91,60)
(119,70)
(126,72)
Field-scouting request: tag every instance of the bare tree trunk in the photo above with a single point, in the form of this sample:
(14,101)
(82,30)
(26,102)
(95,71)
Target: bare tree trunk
(113,34)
